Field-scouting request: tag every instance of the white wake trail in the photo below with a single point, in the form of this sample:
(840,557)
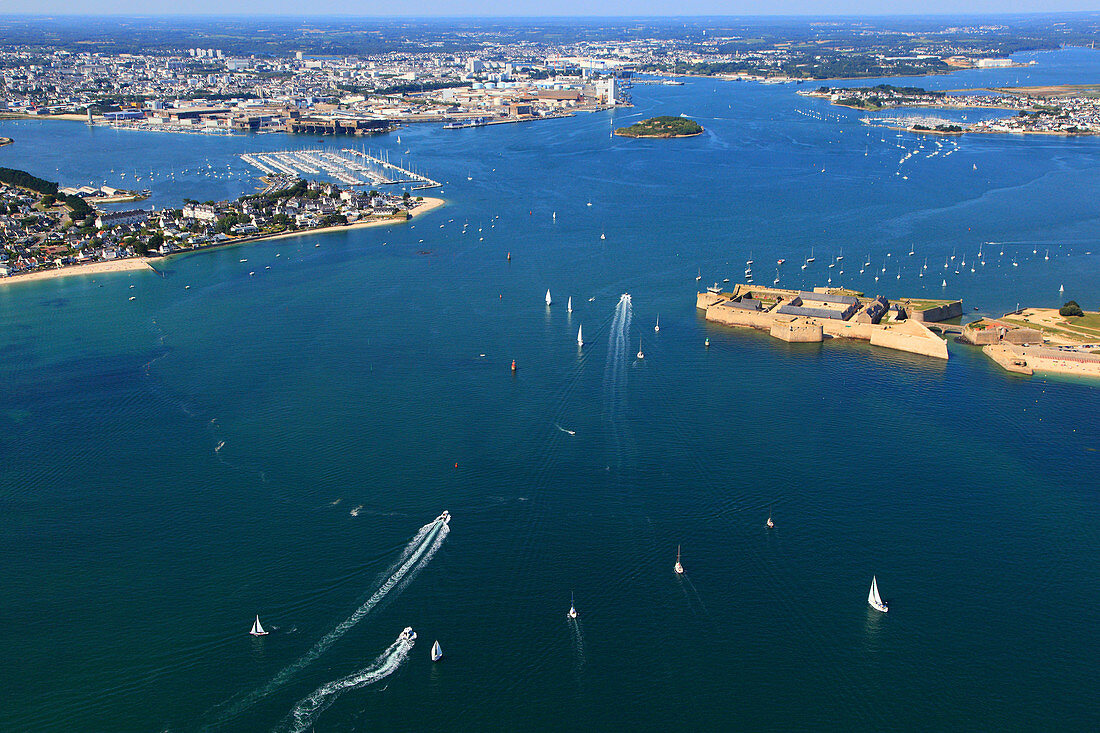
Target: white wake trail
(418,553)
(615,371)
(302,717)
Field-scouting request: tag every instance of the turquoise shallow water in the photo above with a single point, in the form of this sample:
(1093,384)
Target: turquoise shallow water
(349,376)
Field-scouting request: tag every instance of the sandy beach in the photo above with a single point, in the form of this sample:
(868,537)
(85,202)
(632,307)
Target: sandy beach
(428,204)
(142,263)
(90,268)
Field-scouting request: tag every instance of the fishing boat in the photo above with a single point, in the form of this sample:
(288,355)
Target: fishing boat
(569,305)
(572,607)
(437,651)
(580,336)
(257,629)
(657,325)
(678,567)
(874,599)
(548,300)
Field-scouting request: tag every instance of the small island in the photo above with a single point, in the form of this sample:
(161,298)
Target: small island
(662,127)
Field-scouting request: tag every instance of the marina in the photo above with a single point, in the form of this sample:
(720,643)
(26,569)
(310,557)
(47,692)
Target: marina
(347,165)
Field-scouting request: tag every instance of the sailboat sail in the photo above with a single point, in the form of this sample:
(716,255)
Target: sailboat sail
(873,598)
(580,336)
(569,304)
(257,629)
(437,652)
(548,301)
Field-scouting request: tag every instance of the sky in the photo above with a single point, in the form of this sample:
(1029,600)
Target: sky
(517,8)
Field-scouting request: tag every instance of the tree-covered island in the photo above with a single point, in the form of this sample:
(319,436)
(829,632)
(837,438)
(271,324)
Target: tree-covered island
(662,127)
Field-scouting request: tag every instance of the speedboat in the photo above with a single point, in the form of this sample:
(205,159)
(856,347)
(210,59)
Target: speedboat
(445,517)
(407,634)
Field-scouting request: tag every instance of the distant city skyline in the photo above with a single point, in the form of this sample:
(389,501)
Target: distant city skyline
(562,8)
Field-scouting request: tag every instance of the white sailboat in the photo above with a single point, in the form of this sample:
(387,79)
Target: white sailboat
(257,629)
(699,276)
(874,599)
(569,305)
(437,651)
(657,325)
(572,607)
(641,354)
(580,336)
(548,300)
(678,567)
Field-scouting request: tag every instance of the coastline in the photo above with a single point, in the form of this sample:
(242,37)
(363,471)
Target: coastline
(429,204)
(129,264)
(657,137)
(142,263)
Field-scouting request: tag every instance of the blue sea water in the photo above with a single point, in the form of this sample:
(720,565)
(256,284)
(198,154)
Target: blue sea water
(274,444)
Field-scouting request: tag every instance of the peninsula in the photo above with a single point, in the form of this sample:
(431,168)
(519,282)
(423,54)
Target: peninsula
(1036,112)
(47,233)
(662,127)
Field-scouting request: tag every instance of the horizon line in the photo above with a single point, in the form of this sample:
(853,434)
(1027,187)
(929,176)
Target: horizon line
(573,16)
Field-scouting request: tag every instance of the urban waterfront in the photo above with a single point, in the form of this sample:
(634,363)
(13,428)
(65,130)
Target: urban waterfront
(271,444)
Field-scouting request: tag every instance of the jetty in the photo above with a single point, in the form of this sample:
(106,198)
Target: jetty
(348,165)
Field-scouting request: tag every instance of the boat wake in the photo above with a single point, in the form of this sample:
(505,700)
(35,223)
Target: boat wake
(578,641)
(417,553)
(616,369)
(302,717)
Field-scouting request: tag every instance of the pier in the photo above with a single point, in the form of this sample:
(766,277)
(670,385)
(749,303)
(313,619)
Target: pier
(349,166)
